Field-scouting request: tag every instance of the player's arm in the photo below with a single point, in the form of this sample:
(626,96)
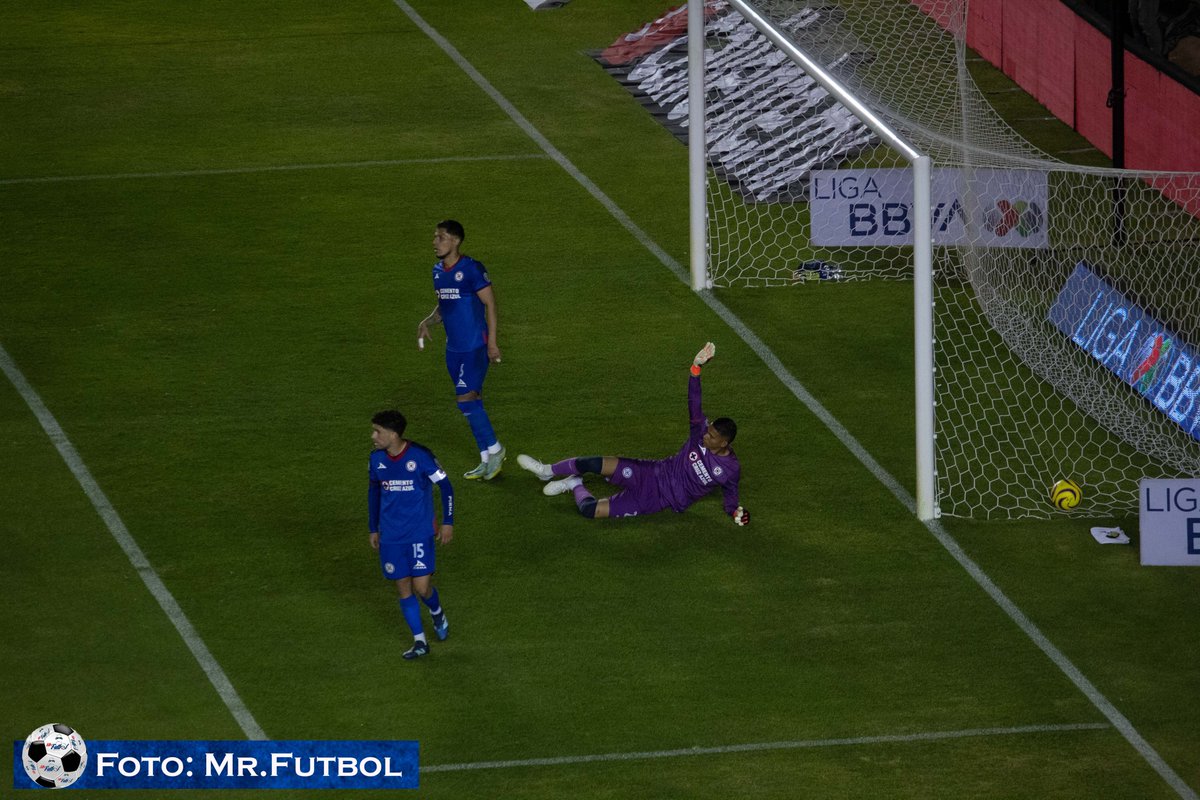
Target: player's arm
(434,318)
(733,505)
(446,531)
(695,413)
(374,492)
(487,296)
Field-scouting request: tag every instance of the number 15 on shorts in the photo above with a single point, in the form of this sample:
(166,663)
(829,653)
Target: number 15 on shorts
(421,559)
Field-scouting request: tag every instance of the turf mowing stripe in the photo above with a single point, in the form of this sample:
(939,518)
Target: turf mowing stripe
(193,173)
(764,746)
(1110,712)
(542,141)
(133,552)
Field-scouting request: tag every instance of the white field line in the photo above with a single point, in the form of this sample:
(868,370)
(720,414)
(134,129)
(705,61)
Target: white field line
(934,736)
(133,552)
(199,173)
(1110,712)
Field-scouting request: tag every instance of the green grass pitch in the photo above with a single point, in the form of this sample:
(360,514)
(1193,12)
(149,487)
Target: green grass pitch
(216,247)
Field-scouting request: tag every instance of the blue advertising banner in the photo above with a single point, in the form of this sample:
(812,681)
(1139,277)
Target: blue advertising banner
(236,764)
(1131,344)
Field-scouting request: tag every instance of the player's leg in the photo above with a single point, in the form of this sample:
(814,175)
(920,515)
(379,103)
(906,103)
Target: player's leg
(569,468)
(468,371)
(409,560)
(411,609)
(590,507)
(583,465)
(424,589)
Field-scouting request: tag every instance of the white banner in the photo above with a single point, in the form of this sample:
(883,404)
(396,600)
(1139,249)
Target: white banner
(990,207)
(1169,521)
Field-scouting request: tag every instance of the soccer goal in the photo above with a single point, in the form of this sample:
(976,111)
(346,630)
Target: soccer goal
(1057,307)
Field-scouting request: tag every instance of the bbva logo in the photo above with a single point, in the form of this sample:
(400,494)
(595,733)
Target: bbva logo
(1024,217)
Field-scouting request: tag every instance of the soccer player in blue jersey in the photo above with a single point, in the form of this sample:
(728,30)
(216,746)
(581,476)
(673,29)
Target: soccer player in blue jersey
(704,463)
(402,522)
(466,307)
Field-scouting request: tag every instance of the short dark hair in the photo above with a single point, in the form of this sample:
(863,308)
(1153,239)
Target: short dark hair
(727,428)
(454,228)
(392,420)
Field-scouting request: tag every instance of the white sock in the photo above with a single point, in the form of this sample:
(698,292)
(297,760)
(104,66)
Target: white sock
(420,637)
(483,454)
(495,448)
(571,481)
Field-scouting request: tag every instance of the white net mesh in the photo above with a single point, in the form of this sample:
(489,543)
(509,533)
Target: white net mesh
(1067,321)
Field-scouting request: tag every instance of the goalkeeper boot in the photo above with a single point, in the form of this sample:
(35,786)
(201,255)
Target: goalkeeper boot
(418,649)
(561,486)
(477,473)
(530,463)
(495,463)
(441,627)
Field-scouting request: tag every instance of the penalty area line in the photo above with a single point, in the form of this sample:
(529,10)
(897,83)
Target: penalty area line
(200,173)
(683,752)
(133,552)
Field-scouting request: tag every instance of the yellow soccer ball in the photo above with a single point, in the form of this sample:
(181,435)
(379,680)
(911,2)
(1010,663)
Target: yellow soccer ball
(1066,494)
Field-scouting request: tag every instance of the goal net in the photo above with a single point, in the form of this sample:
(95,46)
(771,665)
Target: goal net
(1066,298)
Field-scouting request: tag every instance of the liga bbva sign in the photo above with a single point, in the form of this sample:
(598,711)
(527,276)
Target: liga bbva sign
(983,207)
(1130,343)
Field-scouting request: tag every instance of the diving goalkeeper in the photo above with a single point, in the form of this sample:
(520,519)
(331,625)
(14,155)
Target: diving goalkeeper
(706,461)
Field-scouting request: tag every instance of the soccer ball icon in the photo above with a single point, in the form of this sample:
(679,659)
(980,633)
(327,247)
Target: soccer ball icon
(1066,494)
(54,756)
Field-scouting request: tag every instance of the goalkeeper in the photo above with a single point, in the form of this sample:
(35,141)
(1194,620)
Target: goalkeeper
(706,461)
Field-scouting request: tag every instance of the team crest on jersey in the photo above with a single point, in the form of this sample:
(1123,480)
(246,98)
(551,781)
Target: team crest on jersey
(389,567)
(410,465)
(458,276)
(717,471)
(627,472)
(693,456)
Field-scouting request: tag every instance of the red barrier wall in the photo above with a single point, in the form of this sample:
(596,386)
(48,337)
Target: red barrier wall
(1063,61)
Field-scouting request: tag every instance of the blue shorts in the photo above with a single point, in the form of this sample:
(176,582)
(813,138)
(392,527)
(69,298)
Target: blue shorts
(406,559)
(467,370)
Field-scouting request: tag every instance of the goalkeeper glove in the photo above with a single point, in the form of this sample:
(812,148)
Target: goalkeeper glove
(741,517)
(708,351)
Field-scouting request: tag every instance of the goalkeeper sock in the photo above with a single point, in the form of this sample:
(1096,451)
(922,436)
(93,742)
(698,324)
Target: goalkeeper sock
(412,615)
(577,466)
(584,500)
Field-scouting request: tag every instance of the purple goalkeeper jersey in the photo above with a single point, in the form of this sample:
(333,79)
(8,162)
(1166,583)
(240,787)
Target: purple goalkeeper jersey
(695,471)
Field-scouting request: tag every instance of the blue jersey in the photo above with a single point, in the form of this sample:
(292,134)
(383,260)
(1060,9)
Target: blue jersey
(400,497)
(463,313)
